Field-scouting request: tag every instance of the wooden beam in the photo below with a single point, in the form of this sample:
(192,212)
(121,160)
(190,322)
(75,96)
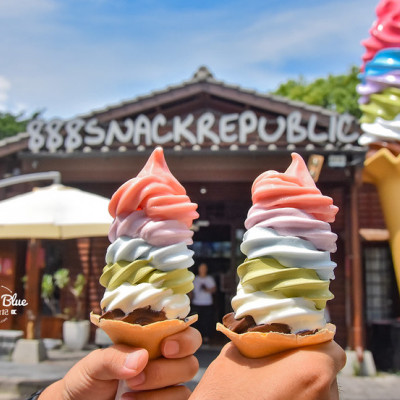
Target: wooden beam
(34,264)
(357,274)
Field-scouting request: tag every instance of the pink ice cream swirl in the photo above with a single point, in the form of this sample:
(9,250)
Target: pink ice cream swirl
(385,31)
(292,205)
(292,189)
(153,206)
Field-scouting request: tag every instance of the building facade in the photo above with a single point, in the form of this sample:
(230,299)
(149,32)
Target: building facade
(217,139)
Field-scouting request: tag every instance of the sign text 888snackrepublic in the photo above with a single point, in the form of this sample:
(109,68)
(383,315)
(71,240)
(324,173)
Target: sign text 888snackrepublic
(229,128)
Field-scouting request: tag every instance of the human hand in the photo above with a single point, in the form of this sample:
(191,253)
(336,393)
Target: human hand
(161,378)
(307,373)
(96,376)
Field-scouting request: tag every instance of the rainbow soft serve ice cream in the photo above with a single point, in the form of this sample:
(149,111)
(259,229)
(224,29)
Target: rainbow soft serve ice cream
(284,281)
(380,104)
(146,277)
(379,89)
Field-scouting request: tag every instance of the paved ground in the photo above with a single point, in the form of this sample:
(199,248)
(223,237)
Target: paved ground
(17,381)
(382,387)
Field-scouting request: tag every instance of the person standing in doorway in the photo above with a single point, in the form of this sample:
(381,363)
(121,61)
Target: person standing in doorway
(202,301)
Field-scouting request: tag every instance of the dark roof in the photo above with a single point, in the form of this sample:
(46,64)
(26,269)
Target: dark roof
(202,82)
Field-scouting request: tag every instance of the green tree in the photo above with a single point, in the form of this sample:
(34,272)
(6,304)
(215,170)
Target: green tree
(11,124)
(335,92)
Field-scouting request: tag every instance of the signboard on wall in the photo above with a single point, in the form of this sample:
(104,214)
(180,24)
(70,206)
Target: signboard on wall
(59,135)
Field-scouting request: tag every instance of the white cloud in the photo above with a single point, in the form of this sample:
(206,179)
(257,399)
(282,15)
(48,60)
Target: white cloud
(327,30)
(56,60)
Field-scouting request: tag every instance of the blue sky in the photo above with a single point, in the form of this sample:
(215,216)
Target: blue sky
(70,57)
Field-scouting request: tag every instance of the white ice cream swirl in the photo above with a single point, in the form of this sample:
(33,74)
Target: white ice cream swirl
(129,297)
(299,313)
(381,130)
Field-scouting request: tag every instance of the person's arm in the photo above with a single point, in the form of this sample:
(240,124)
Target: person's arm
(308,373)
(96,376)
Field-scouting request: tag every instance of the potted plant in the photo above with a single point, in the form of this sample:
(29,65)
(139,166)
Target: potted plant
(51,325)
(72,327)
(59,279)
(76,330)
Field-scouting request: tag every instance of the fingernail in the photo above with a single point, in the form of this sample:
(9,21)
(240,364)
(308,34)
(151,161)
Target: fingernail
(133,360)
(137,380)
(171,348)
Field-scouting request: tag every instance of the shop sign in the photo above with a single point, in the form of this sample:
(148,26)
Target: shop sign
(8,303)
(70,135)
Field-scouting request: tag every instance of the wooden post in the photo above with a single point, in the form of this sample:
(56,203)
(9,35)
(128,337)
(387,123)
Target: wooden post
(357,275)
(33,285)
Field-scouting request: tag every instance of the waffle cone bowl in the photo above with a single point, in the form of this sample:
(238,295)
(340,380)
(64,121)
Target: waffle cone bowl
(262,344)
(382,165)
(148,337)
(382,169)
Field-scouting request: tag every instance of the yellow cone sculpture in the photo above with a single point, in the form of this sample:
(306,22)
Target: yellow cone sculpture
(383,170)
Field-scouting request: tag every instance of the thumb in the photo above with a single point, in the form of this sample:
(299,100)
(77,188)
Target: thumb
(115,362)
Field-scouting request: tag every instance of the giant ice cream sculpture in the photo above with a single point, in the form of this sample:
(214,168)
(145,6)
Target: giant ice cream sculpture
(146,276)
(380,104)
(284,281)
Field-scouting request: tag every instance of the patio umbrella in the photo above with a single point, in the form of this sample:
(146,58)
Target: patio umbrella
(54,212)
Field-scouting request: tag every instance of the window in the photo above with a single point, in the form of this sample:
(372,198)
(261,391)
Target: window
(379,277)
